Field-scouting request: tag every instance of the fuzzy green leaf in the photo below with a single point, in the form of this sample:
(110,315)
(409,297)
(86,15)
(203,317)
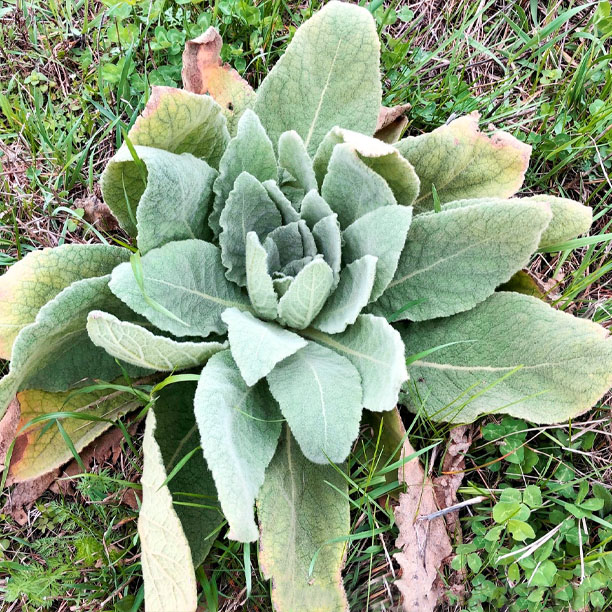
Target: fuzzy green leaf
(167,566)
(306,295)
(328,239)
(259,282)
(179,121)
(258,346)
(293,157)
(303,514)
(349,298)
(328,76)
(239,428)
(186,278)
(319,393)
(37,278)
(137,345)
(461,162)
(517,355)
(456,258)
(314,208)
(569,219)
(248,208)
(377,351)
(381,233)
(249,151)
(285,207)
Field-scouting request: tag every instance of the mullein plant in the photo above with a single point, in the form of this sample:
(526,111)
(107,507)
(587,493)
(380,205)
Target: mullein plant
(292,256)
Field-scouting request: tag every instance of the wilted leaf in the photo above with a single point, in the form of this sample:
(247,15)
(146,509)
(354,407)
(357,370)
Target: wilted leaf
(327,76)
(303,512)
(517,355)
(204,73)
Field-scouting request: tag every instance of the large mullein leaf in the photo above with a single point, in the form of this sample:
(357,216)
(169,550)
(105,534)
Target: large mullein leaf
(293,157)
(174,192)
(185,279)
(381,158)
(204,73)
(516,355)
(350,297)
(306,295)
(569,219)
(55,351)
(249,151)
(137,345)
(328,76)
(461,162)
(259,282)
(179,121)
(319,393)
(303,512)
(239,428)
(377,351)
(258,346)
(167,566)
(285,207)
(456,258)
(40,448)
(314,208)
(248,208)
(37,278)
(381,233)
(192,487)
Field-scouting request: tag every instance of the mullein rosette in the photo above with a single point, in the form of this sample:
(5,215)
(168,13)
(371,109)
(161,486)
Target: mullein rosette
(292,246)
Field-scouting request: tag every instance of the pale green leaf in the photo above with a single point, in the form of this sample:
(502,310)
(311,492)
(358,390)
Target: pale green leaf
(285,207)
(282,284)
(249,151)
(186,278)
(377,351)
(293,241)
(461,162)
(179,121)
(258,346)
(306,295)
(517,355)
(239,428)
(192,487)
(40,448)
(381,233)
(569,220)
(328,239)
(303,512)
(259,282)
(319,393)
(37,278)
(167,567)
(456,258)
(248,208)
(328,76)
(349,298)
(296,266)
(137,345)
(293,157)
(314,208)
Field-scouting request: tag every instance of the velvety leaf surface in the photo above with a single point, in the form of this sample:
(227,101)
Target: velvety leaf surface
(288,245)
(259,282)
(349,298)
(464,163)
(186,278)
(37,278)
(381,233)
(137,345)
(563,364)
(319,393)
(328,239)
(179,121)
(55,351)
(328,76)
(258,346)
(377,351)
(40,448)
(303,510)
(285,207)
(570,219)
(239,428)
(167,567)
(456,258)
(249,151)
(306,295)
(204,73)
(248,208)
(177,435)
(314,208)
(293,157)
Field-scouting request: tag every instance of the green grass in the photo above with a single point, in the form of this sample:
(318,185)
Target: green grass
(73,77)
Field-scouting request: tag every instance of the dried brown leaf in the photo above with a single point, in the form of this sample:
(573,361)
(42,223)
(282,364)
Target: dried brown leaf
(97,213)
(391,123)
